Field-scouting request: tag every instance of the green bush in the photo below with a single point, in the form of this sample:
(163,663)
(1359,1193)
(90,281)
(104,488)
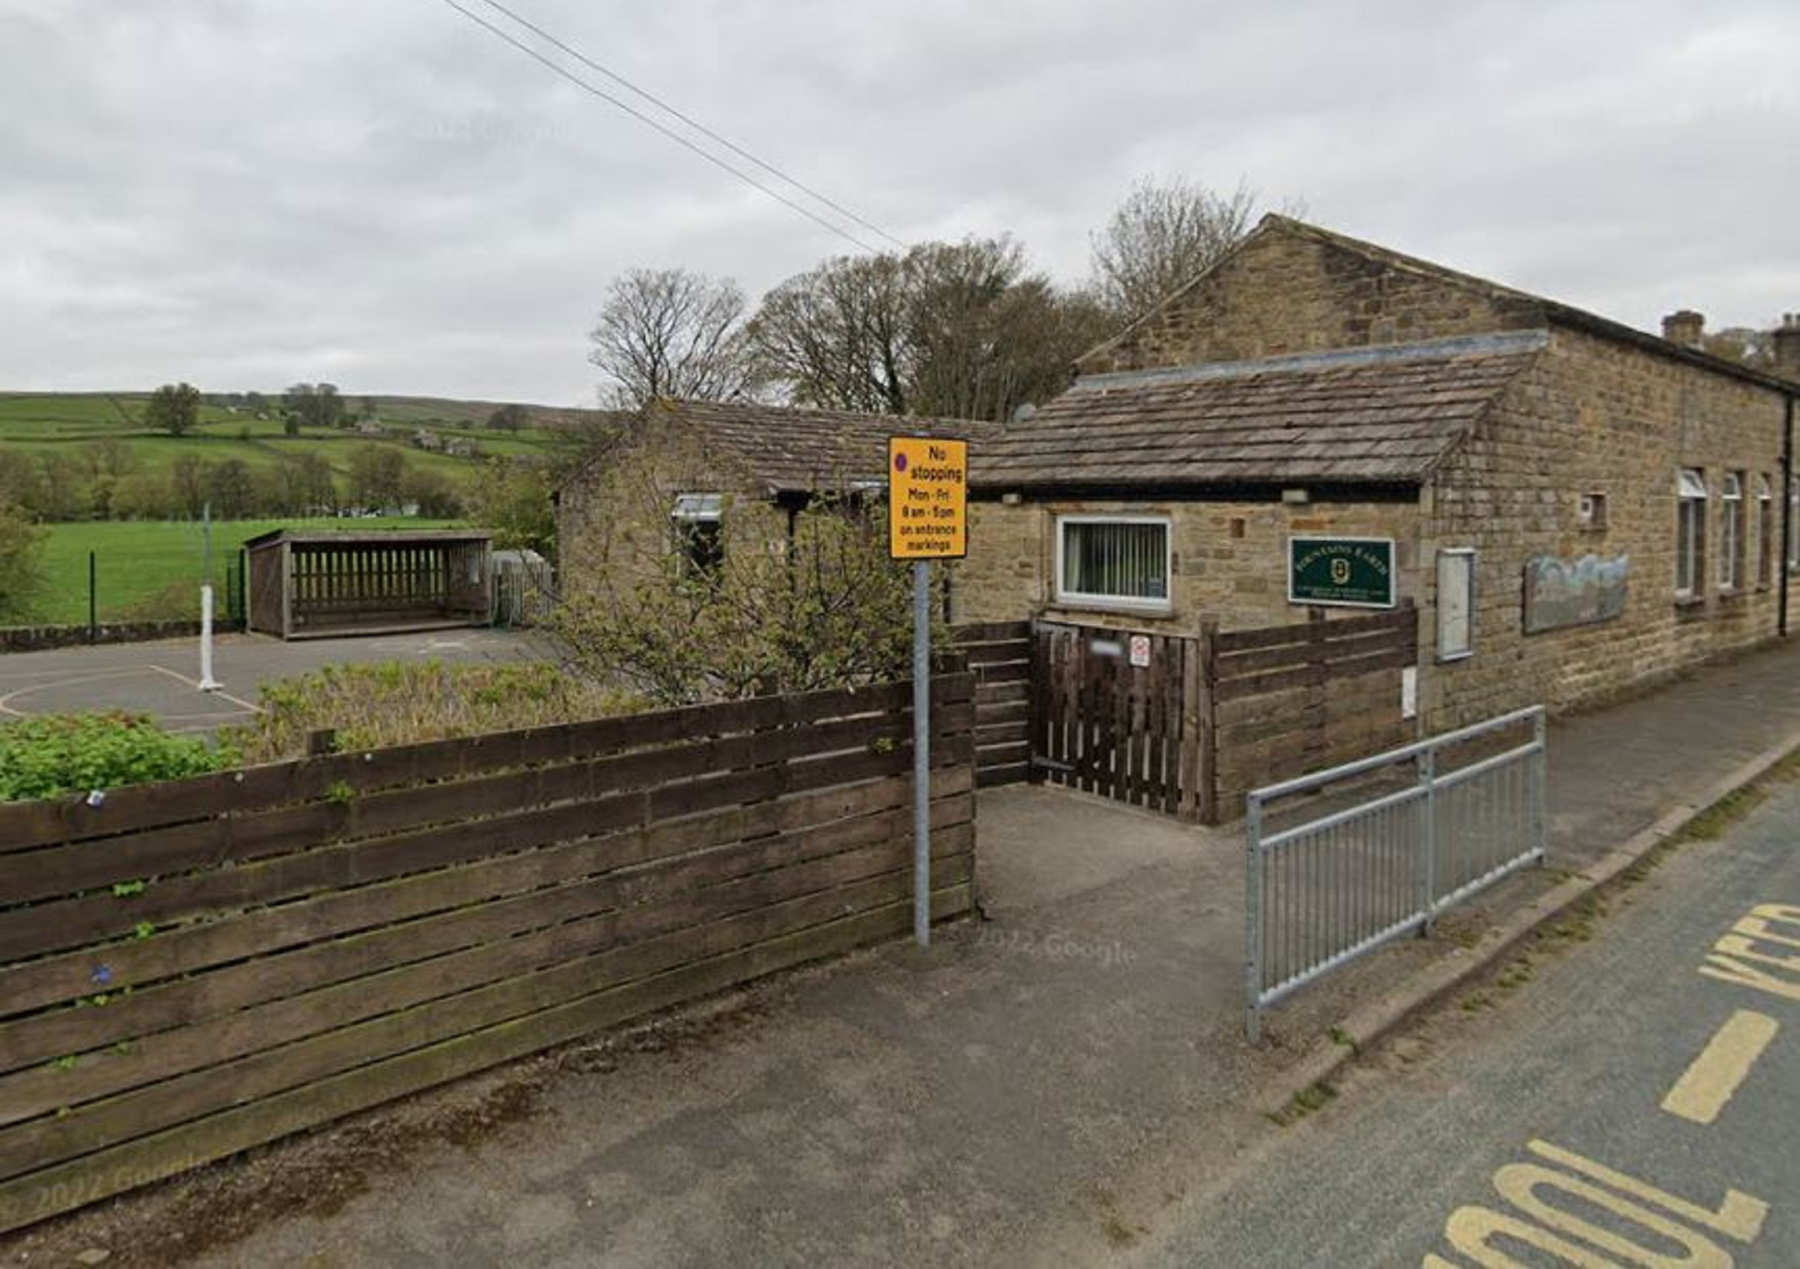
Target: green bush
(69,753)
(375,705)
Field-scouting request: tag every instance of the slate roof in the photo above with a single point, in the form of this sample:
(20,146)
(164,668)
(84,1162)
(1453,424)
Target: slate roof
(791,450)
(1384,415)
(1549,310)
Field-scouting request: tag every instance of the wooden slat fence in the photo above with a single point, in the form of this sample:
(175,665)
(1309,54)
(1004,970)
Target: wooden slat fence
(999,655)
(1105,726)
(1296,698)
(192,968)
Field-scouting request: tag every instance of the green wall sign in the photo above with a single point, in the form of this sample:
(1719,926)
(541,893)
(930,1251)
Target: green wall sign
(1351,572)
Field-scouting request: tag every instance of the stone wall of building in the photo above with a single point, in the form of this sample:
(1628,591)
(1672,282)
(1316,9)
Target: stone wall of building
(1229,559)
(1288,290)
(1598,417)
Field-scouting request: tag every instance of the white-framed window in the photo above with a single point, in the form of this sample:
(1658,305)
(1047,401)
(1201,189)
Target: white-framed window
(1793,526)
(1455,603)
(699,532)
(1731,530)
(1765,530)
(1113,561)
(1690,530)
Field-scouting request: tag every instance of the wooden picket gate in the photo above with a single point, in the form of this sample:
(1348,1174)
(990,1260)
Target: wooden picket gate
(1119,713)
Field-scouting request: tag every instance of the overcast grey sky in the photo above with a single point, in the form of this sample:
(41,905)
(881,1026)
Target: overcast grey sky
(245,193)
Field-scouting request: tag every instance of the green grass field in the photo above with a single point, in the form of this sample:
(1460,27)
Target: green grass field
(63,422)
(152,569)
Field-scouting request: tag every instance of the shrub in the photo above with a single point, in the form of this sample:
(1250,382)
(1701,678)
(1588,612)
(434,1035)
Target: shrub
(67,753)
(405,702)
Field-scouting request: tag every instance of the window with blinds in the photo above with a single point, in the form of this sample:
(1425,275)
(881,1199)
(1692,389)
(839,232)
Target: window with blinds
(1113,560)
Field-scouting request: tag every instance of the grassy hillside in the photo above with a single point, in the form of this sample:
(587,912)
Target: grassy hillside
(64,422)
(152,569)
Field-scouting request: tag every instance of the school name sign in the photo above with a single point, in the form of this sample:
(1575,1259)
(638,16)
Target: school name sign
(928,496)
(1349,572)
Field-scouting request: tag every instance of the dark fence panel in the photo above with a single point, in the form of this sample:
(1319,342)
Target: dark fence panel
(192,968)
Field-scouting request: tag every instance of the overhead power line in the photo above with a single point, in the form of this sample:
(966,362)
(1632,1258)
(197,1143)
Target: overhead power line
(691,122)
(668,132)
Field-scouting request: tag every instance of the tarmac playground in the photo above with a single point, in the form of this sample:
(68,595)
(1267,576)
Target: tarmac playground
(163,678)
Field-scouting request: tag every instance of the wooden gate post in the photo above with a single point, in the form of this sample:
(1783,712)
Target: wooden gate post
(1199,744)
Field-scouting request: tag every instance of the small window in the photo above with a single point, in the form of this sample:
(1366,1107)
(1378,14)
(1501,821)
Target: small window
(1113,561)
(1765,531)
(1690,530)
(1731,531)
(699,534)
(1591,511)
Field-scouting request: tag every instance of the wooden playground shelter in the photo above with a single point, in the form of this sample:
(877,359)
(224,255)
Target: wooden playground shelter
(311,584)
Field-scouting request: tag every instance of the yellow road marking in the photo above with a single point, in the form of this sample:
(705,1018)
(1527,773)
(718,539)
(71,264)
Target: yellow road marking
(1704,1088)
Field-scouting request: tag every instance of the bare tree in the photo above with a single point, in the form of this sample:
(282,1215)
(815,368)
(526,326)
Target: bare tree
(962,330)
(1163,236)
(671,333)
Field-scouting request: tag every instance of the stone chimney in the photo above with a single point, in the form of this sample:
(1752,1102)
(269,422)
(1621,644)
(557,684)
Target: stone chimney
(1786,340)
(1684,327)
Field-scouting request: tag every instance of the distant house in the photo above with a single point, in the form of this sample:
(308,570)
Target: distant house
(369,427)
(460,447)
(426,439)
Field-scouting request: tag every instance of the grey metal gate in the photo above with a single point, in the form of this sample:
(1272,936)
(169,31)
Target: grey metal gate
(1415,837)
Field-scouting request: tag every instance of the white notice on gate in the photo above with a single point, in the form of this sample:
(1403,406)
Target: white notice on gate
(1140,650)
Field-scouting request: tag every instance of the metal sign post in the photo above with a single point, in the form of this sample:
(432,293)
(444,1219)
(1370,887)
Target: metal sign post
(927,520)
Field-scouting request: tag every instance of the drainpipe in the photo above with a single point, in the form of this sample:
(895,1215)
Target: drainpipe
(1787,512)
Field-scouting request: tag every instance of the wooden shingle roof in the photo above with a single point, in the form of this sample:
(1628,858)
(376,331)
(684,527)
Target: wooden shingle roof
(791,450)
(1357,416)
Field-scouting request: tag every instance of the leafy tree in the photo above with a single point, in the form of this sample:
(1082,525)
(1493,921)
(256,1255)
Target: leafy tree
(952,329)
(20,481)
(188,483)
(290,423)
(431,493)
(377,476)
(671,333)
(329,407)
(1161,237)
(142,495)
(1753,348)
(509,418)
(231,489)
(62,489)
(21,562)
(315,405)
(173,408)
(512,500)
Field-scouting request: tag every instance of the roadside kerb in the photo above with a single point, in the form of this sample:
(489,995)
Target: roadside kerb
(1371,1022)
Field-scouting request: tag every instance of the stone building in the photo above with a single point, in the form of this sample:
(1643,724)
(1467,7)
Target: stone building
(701,478)
(1576,507)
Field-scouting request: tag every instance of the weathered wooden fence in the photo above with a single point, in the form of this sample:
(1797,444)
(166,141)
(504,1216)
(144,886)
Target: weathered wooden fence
(1191,723)
(1107,726)
(196,967)
(1291,699)
(999,655)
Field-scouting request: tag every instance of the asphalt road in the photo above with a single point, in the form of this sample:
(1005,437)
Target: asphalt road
(1618,1107)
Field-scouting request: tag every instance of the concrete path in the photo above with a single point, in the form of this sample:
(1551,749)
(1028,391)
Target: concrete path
(1032,1091)
(162,678)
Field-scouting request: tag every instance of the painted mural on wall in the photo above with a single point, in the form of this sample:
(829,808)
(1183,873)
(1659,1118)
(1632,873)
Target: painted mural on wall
(1561,592)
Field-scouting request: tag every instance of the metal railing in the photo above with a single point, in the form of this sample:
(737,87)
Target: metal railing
(1322,892)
